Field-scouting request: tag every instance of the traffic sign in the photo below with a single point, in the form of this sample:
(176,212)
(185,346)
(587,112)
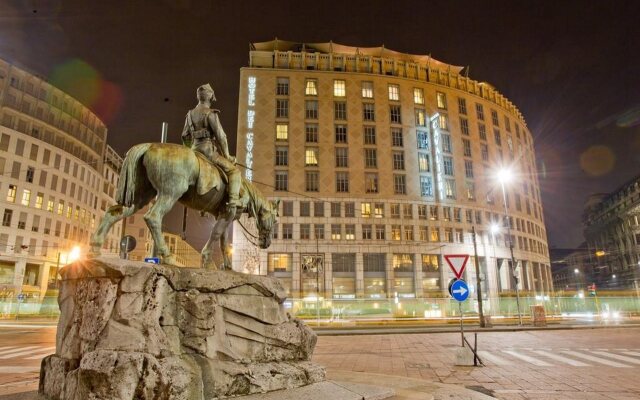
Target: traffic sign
(460,290)
(457,263)
(152,260)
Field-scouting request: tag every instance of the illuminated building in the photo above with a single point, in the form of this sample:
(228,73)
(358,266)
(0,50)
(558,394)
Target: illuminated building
(612,231)
(384,161)
(52,158)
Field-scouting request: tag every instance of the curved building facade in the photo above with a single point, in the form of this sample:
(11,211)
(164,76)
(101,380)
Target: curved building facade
(51,158)
(385,162)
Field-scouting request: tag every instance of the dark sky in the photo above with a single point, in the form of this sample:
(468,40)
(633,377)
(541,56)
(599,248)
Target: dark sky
(572,67)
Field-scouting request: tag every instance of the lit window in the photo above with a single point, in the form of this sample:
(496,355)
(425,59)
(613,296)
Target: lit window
(423,162)
(394,92)
(441,99)
(39,200)
(60,210)
(367,90)
(365,209)
(26,197)
(68,212)
(443,122)
(311,157)
(339,88)
(50,205)
(418,96)
(311,87)
(282,132)
(421,119)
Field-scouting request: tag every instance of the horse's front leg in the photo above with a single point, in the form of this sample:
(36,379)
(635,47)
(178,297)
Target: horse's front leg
(224,247)
(219,228)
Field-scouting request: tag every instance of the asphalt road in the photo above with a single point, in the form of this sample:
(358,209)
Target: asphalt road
(551,364)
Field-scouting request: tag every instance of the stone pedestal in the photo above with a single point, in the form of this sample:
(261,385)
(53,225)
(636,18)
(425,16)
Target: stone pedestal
(130,330)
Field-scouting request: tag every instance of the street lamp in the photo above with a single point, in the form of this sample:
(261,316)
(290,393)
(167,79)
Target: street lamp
(576,271)
(66,258)
(505,176)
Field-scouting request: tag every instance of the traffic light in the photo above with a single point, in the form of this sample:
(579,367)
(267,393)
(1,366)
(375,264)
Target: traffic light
(592,289)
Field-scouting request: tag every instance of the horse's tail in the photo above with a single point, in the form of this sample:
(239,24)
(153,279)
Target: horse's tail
(128,176)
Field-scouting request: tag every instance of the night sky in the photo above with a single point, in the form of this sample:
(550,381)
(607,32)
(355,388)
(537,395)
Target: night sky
(572,68)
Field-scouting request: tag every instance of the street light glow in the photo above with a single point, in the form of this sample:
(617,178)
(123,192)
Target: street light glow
(74,254)
(495,228)
(505,175)
(577,271)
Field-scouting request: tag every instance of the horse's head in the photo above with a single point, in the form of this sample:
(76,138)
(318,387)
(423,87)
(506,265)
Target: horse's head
(265,222)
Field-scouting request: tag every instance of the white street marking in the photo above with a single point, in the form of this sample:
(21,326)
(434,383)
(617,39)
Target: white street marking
(632,353)
(485,355)
(25,352)
(18,349)
(528,359)
(561,359)
(595,359)
(618,357)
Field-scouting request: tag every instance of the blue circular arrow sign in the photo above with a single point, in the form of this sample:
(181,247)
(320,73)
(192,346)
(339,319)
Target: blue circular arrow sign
(460,290)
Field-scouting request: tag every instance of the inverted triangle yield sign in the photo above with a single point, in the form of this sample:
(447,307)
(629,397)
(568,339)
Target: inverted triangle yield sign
(457,263)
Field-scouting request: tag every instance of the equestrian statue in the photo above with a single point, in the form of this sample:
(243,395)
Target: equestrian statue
(199,174)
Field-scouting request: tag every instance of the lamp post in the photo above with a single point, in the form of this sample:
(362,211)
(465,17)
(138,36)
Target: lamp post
(505,176)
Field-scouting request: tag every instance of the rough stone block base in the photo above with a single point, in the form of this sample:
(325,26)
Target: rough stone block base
(130,330)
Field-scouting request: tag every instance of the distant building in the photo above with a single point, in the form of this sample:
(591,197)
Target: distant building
(572,269)
(186,255)
(612,231)
(384,162)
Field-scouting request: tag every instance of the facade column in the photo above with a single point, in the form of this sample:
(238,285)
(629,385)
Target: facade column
(18,274)
(417,275)
(359,275)
(390,275)
(327,275)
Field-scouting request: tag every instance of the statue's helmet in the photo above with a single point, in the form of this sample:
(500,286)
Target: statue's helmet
(205,92)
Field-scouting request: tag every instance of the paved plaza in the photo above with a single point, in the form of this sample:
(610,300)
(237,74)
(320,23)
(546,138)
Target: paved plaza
(567,364)
(560,364)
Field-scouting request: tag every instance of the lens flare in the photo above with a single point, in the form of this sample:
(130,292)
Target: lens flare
(597,160)
(86,84)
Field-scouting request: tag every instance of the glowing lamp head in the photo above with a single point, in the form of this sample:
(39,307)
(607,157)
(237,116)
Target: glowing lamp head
(74,254)
(505,175)
(495,228)
(577,271)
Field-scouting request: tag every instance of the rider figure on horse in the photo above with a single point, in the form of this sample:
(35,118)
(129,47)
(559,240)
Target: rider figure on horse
(201,126)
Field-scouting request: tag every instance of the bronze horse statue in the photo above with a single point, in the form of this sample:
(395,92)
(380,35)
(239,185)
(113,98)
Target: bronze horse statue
(172,173)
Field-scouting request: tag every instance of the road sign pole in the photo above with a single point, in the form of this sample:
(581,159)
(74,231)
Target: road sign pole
(478,282)
(461,328)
